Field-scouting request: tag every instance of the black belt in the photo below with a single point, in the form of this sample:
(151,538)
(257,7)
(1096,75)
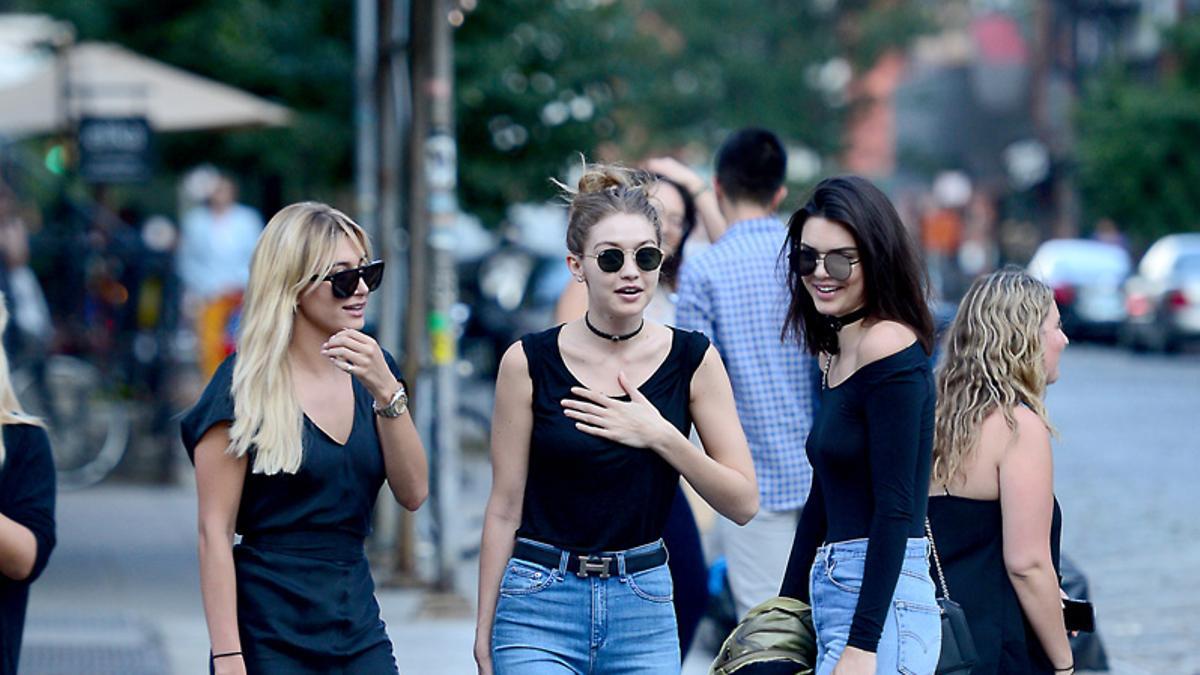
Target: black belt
(584,565)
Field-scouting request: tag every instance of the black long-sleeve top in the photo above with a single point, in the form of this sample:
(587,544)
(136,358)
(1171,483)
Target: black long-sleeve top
(871,448)
(26,497)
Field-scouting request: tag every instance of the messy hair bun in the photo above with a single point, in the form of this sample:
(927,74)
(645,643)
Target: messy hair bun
(604,190)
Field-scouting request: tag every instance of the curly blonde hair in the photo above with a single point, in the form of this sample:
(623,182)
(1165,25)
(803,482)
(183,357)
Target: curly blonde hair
(993,359)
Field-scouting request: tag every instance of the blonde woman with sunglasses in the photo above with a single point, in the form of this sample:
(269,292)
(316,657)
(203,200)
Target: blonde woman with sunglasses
(589,439)
(292,440)
(26,510)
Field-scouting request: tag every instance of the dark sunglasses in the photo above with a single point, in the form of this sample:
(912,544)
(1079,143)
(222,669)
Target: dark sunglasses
(838,265)
(648,259)
(345,283)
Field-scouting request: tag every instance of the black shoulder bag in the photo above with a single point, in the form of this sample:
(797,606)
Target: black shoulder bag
(958,648)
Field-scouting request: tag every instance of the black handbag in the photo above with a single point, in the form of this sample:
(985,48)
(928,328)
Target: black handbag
(958,647)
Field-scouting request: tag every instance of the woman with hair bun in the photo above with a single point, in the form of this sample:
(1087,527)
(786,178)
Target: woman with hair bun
(589,439)
(992,509)
(292,440)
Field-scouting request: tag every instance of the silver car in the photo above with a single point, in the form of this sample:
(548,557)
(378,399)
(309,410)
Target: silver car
(1086,276)
(1163,299)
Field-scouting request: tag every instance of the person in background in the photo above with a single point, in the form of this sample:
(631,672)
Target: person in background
(292,440)
(995,521)
(735,292)
(589,440)
(860,556)
(677,208)
(27,484)
(215,247)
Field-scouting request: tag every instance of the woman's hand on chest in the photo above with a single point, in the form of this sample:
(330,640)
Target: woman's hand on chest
(636,422)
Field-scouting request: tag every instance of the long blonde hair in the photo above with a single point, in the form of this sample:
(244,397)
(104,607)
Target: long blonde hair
(11,411)
(993,359)
(296,250)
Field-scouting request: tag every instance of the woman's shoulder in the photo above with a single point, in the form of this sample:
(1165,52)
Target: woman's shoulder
(1029,432)
(25,433)
(886,343)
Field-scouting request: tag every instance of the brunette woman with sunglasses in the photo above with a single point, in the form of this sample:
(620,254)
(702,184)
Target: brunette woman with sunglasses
(292,439)
(589,439)
(859,555)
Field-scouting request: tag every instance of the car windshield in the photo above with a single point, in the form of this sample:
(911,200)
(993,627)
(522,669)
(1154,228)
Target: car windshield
(1188,265)
(1089,263)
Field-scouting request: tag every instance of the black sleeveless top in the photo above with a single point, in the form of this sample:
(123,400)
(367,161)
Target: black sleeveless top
(970,544)
(588,494)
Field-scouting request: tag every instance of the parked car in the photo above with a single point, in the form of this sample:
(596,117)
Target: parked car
(1087,278)
(1163,300)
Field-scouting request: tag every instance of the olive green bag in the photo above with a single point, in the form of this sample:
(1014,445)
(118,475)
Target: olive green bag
(775,638)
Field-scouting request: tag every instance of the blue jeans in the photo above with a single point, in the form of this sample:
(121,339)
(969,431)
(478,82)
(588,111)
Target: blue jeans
(912,633)
(552,622)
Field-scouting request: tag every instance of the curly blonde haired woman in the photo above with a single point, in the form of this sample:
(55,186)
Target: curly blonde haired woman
(994,517)
(26,510)
(292,440)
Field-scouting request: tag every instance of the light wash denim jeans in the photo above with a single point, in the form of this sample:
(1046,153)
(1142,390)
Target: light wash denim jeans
(912,633)
(553,622)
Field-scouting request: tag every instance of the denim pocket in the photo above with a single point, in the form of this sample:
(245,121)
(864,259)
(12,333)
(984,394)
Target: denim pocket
(846,574)
(654,584)
(523,578)
(920,631)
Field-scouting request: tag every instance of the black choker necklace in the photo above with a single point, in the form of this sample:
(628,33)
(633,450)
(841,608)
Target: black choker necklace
(610,336)
(839,322)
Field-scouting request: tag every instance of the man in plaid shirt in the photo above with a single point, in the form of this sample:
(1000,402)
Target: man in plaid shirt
(735,292)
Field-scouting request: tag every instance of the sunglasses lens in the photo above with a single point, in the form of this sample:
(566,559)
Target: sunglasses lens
(806,261)
(611,259)
(648,259)
(373,274)
(344,283)
(838,266)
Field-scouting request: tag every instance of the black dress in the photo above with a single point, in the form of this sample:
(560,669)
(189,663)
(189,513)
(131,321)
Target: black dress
(969,538)
(26,497)
(306,600)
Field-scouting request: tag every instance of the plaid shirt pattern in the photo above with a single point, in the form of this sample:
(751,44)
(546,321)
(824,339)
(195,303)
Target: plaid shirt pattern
(735,292)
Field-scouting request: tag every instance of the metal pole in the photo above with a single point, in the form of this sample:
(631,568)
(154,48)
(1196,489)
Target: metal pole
(366,119)
(441,170)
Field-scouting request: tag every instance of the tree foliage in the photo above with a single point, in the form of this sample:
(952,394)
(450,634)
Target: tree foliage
(1137,150)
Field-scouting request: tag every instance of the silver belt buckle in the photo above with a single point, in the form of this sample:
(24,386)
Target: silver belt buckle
(590,564)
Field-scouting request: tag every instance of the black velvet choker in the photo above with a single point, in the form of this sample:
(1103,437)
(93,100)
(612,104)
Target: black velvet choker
(839,322)
(836,323)
(610,336)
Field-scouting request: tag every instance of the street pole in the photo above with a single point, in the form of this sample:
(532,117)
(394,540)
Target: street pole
(441,170)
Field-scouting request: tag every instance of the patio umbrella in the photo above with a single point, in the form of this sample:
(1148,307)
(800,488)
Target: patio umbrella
(106,80)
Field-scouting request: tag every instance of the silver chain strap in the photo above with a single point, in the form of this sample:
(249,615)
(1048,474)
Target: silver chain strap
(937,563)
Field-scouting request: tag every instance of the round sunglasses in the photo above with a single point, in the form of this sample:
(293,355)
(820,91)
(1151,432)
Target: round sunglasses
(647,258)
(345,283)
(838,264)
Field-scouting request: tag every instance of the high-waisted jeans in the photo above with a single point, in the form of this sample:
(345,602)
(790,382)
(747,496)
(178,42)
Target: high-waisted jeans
(912,633)
(549,621)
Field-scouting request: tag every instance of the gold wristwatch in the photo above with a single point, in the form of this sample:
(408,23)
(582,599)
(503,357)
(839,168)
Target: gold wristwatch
(396,407)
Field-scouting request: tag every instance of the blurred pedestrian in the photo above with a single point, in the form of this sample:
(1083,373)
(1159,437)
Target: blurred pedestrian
(735,292)
(590,437)
(27,484)
(994,517)
(860,553)
(215,248)
(292,439)
(677,210)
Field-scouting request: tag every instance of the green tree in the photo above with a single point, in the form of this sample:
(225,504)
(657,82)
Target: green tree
(296,52)
(1137,144)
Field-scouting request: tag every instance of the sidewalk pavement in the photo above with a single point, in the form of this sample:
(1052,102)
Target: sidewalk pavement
(121,596)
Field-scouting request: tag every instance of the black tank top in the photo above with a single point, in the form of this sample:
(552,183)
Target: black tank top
(970,544)
(588,494)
